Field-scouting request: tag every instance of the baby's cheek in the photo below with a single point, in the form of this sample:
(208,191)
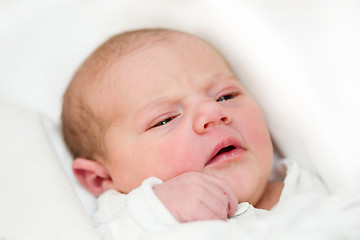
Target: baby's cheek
(190,163)
(177,164)
(257,133)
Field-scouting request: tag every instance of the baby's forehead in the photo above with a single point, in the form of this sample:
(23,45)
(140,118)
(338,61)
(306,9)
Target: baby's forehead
(122,46)
(125,52)
(113,59)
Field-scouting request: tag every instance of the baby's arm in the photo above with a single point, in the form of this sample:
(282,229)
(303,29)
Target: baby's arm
(131,214)
(196,196)
(156,205)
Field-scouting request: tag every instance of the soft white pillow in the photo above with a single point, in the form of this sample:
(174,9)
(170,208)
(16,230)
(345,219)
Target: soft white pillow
(54,134)
(37,199)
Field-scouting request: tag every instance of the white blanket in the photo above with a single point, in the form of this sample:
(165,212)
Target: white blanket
(300,59)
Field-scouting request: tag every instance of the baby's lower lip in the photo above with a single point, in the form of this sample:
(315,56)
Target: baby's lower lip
(226,157)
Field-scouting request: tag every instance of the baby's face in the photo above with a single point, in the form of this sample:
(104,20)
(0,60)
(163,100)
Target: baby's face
(180,109)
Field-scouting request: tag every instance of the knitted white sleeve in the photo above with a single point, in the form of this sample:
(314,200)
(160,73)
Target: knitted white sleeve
(132,213)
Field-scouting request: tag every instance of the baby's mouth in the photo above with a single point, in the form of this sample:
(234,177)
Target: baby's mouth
(225,150)
(222,153)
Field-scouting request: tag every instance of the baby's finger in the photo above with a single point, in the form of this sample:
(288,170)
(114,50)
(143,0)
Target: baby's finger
(217,203)
(226,189)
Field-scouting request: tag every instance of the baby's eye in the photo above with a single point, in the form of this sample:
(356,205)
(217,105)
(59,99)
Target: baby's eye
(227,97)
(163,122)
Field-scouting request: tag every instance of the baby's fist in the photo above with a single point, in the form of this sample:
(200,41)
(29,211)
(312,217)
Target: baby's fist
(196,196)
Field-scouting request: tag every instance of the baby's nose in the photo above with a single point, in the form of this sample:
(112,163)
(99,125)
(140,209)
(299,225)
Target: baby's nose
(208,115)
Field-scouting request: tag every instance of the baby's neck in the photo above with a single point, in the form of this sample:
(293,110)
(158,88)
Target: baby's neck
(271,195)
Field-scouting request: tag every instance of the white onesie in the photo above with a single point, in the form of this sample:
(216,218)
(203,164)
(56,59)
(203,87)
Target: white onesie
(135,214)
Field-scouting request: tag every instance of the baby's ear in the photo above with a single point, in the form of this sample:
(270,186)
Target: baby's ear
(92,175)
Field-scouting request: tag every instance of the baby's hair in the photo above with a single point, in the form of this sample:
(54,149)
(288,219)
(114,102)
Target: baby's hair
(83,128)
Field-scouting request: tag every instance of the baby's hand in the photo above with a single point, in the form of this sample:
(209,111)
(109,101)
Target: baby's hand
(196,196)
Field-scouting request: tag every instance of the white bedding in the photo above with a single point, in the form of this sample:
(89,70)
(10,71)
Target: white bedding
(300,60)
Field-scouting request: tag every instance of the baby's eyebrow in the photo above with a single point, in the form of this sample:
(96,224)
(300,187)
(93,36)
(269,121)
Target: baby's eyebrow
(158,102)
(220,76)
(169,100)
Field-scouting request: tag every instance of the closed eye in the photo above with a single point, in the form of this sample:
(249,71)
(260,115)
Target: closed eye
(227,97)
